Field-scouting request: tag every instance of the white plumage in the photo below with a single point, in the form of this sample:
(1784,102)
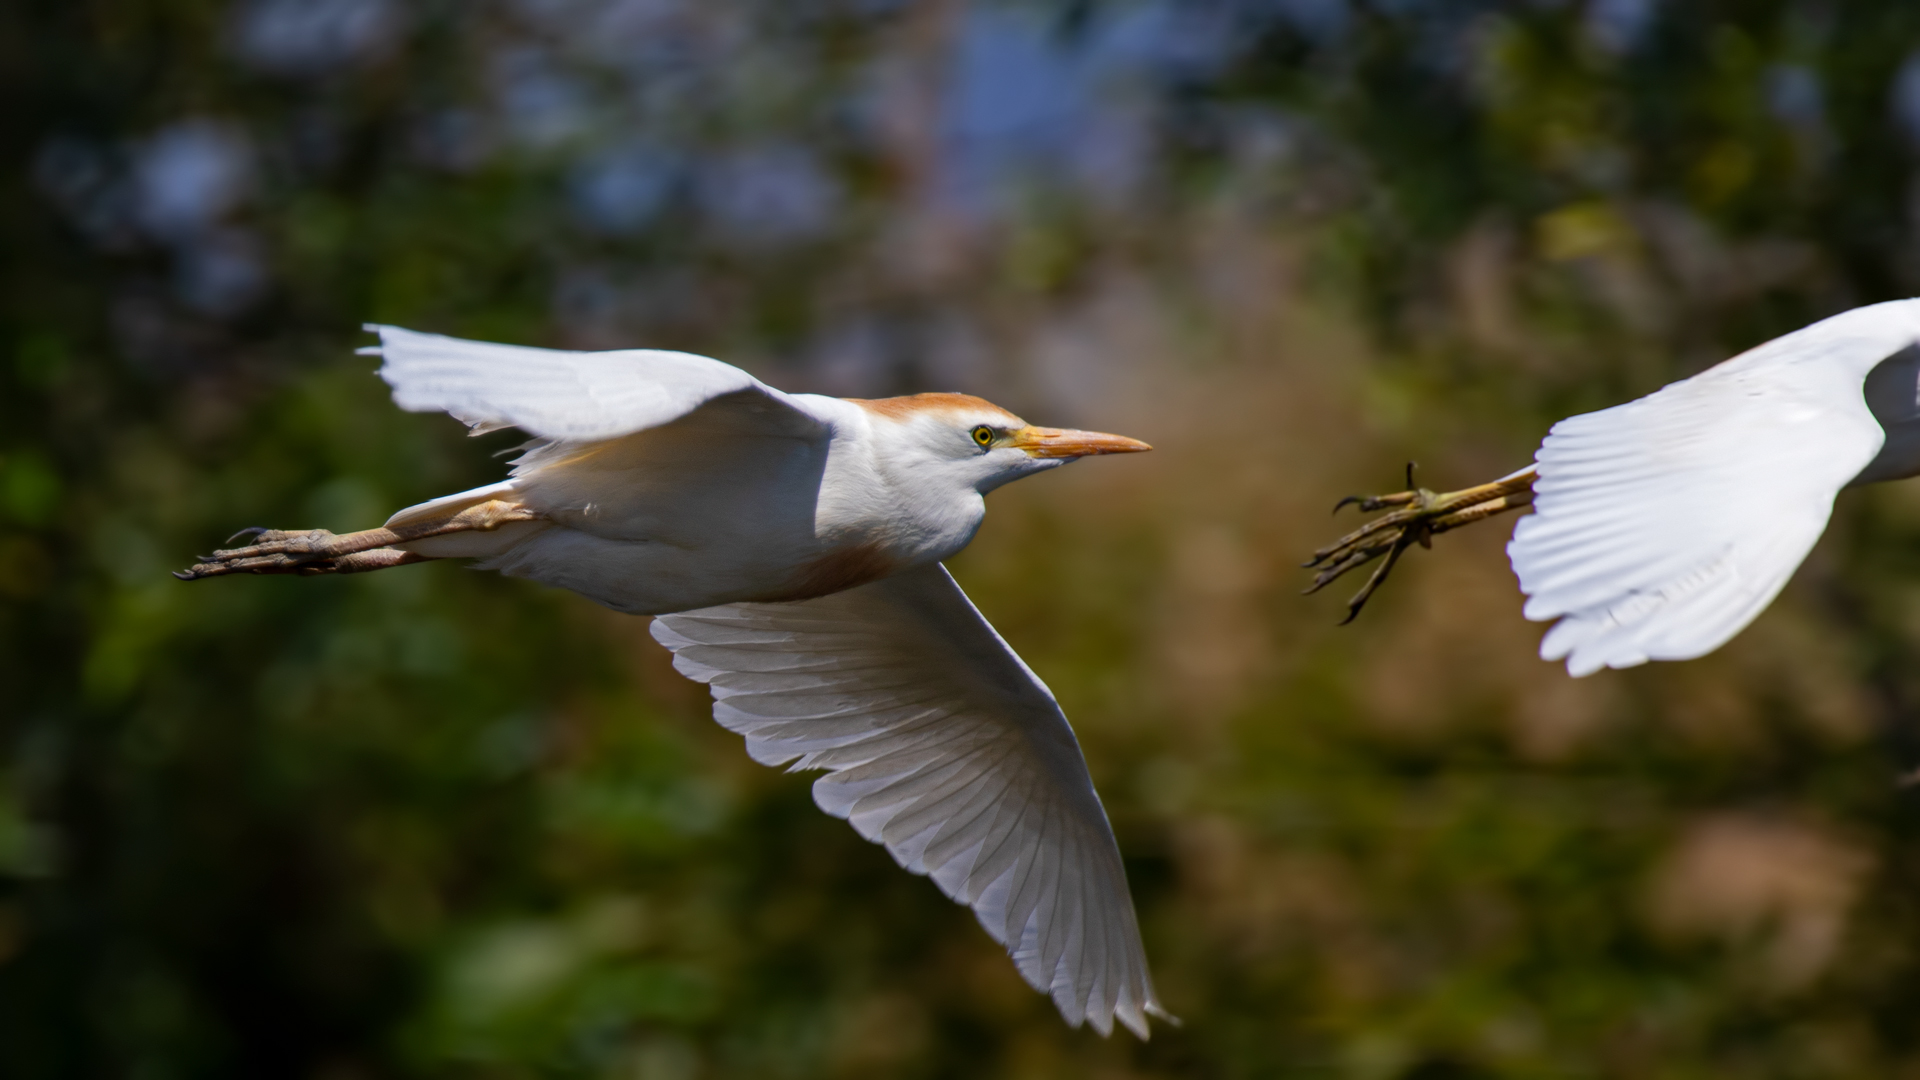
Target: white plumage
(1662,527)
(789,546)
(941,744)
(550,392)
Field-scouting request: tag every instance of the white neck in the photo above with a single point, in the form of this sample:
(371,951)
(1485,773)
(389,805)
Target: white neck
(883,485)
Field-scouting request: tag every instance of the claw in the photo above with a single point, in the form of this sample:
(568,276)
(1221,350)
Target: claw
(1374,581)
(317,551)
(273,552)
(1420,515)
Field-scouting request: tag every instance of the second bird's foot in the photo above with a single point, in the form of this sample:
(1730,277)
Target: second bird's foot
(1415,517)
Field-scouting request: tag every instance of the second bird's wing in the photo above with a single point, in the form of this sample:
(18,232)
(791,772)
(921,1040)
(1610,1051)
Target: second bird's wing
(567,396)
(942,745)
(1662,527)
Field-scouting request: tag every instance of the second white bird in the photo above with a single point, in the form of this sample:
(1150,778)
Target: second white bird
(1662,527)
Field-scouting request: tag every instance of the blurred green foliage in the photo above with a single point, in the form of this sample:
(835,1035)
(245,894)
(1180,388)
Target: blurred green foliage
(431,822)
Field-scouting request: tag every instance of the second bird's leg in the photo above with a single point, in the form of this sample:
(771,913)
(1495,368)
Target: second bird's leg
(1416,516)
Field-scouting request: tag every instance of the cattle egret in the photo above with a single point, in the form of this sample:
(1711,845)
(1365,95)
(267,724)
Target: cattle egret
(1662,527)
(789,547)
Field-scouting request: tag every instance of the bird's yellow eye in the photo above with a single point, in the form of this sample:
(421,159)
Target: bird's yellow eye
(983,435)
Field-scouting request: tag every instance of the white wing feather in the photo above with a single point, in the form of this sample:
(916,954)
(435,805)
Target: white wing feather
(942,745)
(1662,527)
(568,396)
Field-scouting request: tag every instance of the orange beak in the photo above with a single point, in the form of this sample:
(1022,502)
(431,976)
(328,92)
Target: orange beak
(1046,442)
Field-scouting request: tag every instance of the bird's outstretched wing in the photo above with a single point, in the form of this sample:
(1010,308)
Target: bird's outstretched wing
(566,396)
(942,745)
(1662,527)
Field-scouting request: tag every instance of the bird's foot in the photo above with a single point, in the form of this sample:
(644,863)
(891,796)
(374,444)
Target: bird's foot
(1416,516)
(317,551)
(306,552)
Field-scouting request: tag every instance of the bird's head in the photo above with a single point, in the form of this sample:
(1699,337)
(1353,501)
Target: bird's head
(977,443)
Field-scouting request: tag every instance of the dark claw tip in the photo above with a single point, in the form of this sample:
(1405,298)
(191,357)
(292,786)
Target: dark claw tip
(248,533)
(1348,501)
(185,575)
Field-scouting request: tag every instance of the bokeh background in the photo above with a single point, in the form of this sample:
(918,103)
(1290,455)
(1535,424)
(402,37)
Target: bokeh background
(434,823)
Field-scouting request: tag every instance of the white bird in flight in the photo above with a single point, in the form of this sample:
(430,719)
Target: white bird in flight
(1662,527)
(789,548)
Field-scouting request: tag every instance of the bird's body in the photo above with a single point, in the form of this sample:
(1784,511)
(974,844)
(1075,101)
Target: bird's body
(720,506)
(789,546)
(1662,527)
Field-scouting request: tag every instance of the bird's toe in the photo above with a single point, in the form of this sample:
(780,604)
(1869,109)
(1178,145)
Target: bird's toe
(273,551)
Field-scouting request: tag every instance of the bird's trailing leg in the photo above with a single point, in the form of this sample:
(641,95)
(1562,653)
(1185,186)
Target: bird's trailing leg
(1416,516)
(307,552)
(317,551)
